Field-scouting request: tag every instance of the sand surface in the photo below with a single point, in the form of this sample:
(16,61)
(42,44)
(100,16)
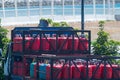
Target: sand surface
(112,27)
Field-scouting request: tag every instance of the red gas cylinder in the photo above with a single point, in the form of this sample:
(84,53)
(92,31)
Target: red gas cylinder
(63,43)
(97,74)
(28,41)
(52,43)
(116,72)
(75,43)
(67,72)
(77,73)
(27,69)
(26,66)
(56,75)
(22,69)
(83,44)
(89,72)
(36,44)
(17,43)
(106,71)
(15,68)
(45,44)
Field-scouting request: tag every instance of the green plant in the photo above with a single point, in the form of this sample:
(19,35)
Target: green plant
(1,74)
(3,39)
(49,21)
(43,19)
(3,42)
(59,24)
(55,24)
(0,22)
(63,24)
(101,25)
(103,45)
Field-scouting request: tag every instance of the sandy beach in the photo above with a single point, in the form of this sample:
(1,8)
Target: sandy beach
(112,27)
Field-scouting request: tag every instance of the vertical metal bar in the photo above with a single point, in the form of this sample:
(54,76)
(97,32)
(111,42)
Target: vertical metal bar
(87,70)
(28,6)
(82,15)
(109,7)
(12,36)
(89,37)
(37,68)
(63,8)
(56,41)
(113,2)
(40,6)
(23,41)
(73,42)
(73,7)
(15,2)
(94,9)
(51,71)
(52,8)
(104,6)
(105,69)
(3,7)
(40,33)
(69,72)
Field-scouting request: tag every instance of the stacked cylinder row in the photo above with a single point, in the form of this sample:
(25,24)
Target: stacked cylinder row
(49,43)
(65,71)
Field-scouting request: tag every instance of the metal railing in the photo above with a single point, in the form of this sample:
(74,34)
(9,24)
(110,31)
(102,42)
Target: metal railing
(52,38)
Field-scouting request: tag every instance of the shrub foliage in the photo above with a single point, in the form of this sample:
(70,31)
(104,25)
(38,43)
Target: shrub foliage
(103,44)
(3,43)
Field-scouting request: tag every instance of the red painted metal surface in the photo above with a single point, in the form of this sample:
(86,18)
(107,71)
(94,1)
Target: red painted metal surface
(17,44)
(83,44)
(75,43)
(62,42)
(36,44)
